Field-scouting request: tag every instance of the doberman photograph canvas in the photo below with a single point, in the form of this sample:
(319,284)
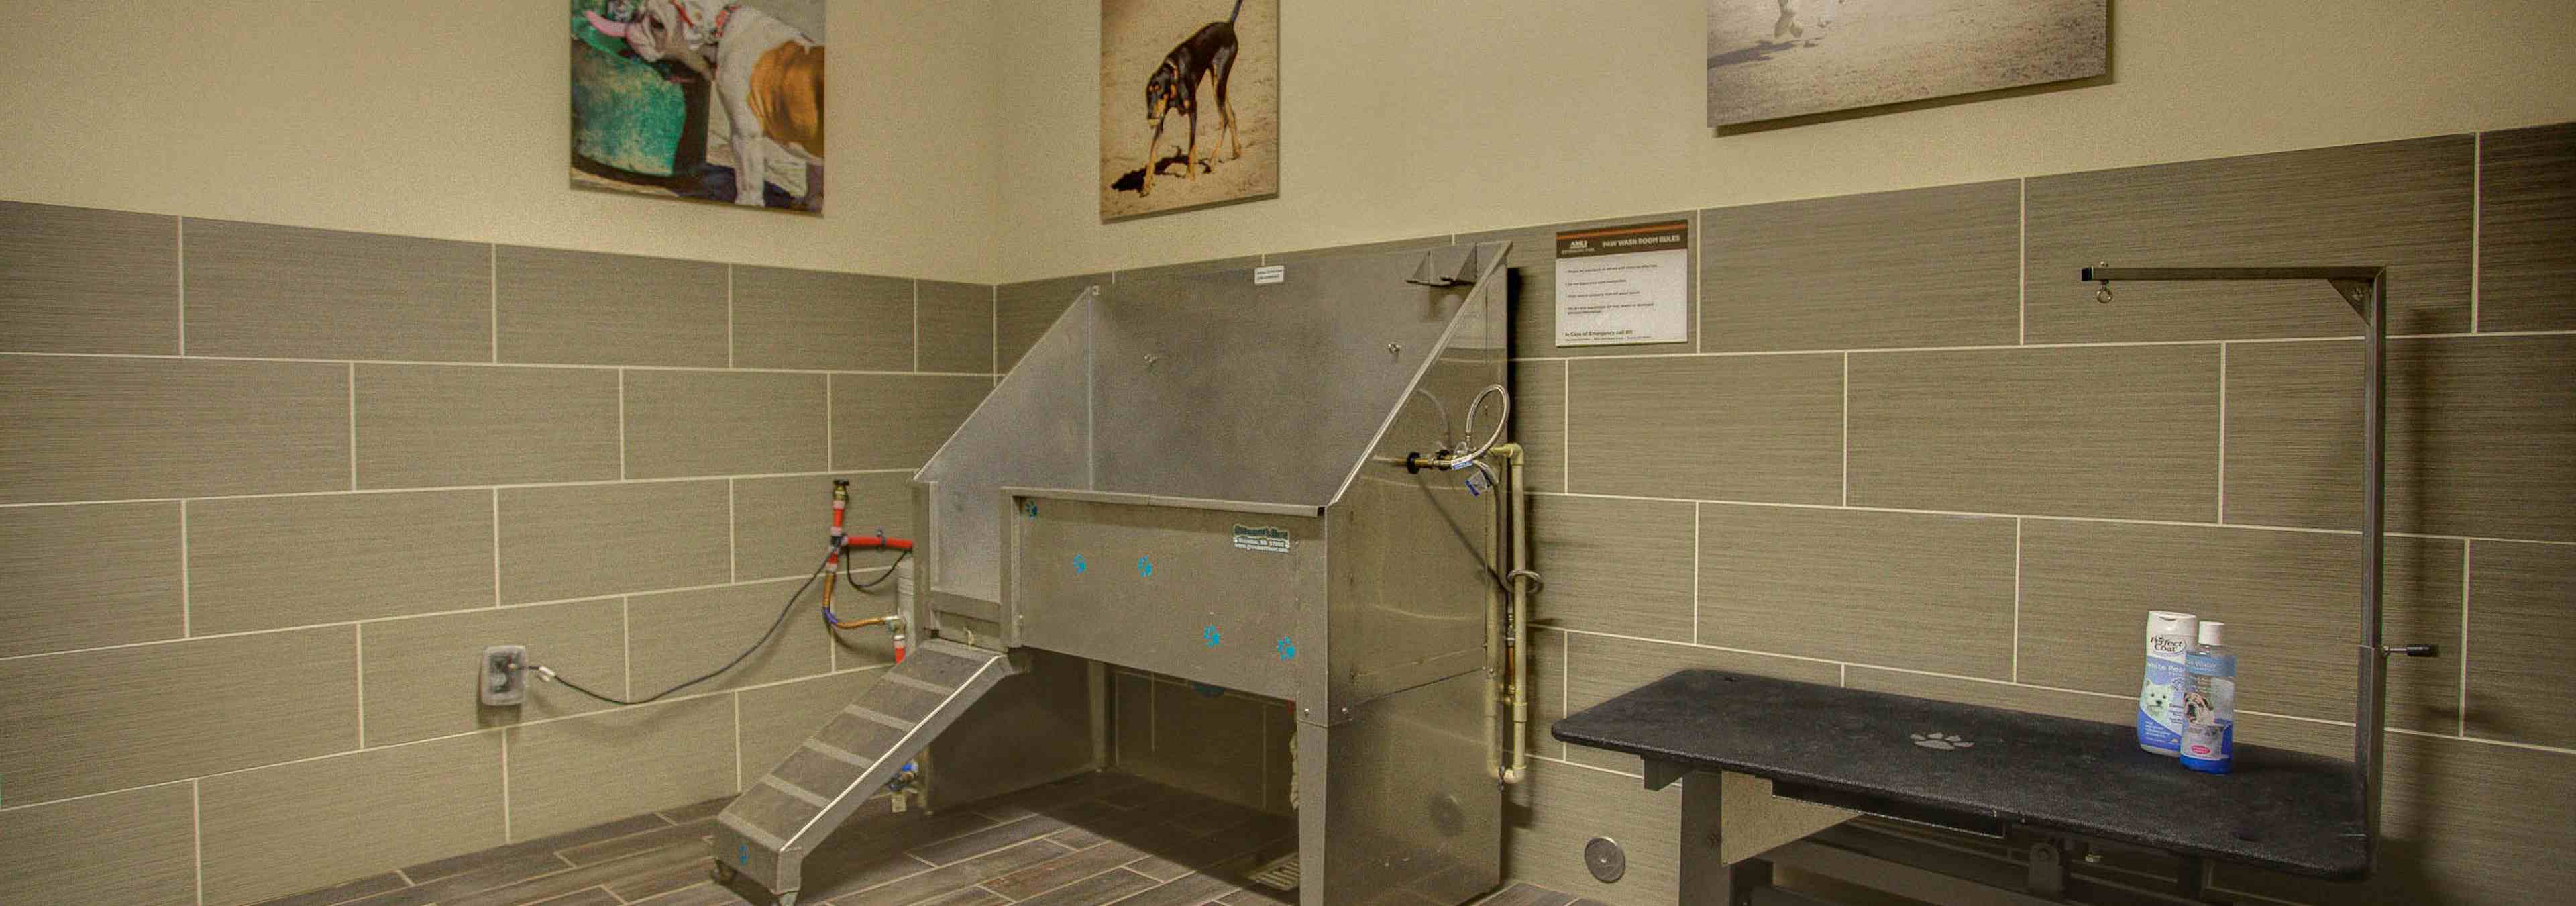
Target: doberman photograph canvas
(700,99)
(1189,104)
(1776,59)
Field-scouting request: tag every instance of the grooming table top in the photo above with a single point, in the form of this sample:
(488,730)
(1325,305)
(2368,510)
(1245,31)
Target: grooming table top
(1867,751)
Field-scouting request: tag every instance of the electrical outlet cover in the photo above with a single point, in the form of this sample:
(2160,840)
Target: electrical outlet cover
(501,677)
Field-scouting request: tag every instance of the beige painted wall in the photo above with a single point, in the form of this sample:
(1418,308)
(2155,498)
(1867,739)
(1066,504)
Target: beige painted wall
(1441,116)
(448,120)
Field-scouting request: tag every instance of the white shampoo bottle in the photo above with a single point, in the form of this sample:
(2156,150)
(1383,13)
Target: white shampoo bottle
(2160,719)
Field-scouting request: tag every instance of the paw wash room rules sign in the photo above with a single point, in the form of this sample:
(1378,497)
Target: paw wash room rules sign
(1623,284)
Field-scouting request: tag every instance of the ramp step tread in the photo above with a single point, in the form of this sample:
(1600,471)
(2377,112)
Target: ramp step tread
(809,796)
(890,720)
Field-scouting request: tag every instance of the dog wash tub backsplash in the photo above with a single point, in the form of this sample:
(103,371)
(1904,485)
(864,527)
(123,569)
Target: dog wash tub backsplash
(1905,450)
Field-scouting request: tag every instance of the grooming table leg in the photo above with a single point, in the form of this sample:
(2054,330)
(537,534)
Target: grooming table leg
(1706,877)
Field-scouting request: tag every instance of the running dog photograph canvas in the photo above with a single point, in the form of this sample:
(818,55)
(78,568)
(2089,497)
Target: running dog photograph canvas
(700,99)
(1189,104)
(1774,59)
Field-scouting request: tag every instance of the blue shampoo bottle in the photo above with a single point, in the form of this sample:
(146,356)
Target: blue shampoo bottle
(2209,702)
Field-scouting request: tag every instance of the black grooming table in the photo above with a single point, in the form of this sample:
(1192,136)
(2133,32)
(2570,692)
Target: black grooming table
(1989,769)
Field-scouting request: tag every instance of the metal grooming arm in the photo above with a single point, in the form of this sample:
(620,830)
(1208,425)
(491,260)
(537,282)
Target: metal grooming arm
(2366,290)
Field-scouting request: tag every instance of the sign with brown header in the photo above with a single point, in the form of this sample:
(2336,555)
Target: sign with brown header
(1623,284)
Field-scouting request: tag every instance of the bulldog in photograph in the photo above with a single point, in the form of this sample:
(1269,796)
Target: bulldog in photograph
(768,76)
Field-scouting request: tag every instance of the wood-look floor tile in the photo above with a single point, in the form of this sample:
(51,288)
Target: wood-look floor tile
(959,876)
(426,872)
(342,892)
(573,879)
(1105,887)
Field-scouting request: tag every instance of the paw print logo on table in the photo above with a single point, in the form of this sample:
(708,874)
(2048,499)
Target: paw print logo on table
(1941,741)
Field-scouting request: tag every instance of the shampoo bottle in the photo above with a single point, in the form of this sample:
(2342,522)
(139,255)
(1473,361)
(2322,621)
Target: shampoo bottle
(2169,638)
(2209,702)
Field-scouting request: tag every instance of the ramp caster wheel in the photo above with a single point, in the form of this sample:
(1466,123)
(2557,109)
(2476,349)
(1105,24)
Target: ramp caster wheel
(723,873)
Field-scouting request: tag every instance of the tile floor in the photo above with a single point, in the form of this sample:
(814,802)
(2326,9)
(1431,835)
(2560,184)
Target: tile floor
(1099,839)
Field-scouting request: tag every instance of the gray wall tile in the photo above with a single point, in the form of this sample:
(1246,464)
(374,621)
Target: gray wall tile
(1211,745)
(2403,204)
(2521,597)
(1853,585)
(1613,565)
(1187,269)
(1023,312)
(956,327)
(821,320)
(2290,601)
(1538,422)
(2527,229)
(1599,668)
(669,635)
(884,421)
(660,756)
(138,846)
(1548,818)
(589,540)
(2128,431)
(1547,689)
(274,562)
(261,290)
(780,524)
(594,309)
(87,576)
(431,425)
(420,672)
(718,423)
(113,429)
(1921,267)
(1765,428)
(86,280)
(293,827)
(776,718)
(106,719)
(1358,248)
(1532,260)
(2464,822)
(2478,434)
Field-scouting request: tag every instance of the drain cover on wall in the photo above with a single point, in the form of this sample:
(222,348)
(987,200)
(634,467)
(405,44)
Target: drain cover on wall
(1606,860)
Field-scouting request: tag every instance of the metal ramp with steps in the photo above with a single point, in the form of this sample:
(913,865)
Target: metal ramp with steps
(767,832)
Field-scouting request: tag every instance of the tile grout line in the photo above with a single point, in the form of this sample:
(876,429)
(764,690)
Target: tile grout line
(197,835)
(1565,453)
(353,426)
(583,366)
(179,259)
(2468,557)
(595,482)
(358,655)
(2222,434)
(187,626)
(496,547)
(1884,350)
(2016,627)
(2477,222)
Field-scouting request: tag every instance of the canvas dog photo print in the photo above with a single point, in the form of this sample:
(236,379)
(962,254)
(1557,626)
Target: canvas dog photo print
(1772,59)
(1189,104)
(700,99)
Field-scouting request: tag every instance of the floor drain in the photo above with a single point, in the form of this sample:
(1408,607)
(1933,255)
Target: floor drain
(1280,874)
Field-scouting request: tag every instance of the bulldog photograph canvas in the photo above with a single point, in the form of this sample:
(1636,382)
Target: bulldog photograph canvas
(700,99)
(1189,104)
(1774,59)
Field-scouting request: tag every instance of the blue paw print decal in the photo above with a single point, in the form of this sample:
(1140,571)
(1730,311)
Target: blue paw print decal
(1213,637)
(742,854)
(1287,648)
(1078,565)
(1144,566)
